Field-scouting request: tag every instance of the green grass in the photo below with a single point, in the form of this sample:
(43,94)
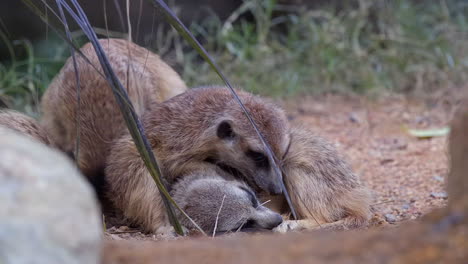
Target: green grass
(380,46)
(22,82)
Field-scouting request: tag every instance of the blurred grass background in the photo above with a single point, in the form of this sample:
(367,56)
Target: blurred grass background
(281,50)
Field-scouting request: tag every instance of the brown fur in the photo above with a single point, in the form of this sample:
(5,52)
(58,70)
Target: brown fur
(149,80)
(322,186)
(212,202)
(23,124)
(183,132)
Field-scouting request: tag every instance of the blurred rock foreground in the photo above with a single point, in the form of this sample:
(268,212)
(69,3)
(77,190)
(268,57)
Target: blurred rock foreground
(48,212)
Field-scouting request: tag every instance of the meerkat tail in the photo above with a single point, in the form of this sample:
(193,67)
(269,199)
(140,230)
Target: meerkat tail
(322,185)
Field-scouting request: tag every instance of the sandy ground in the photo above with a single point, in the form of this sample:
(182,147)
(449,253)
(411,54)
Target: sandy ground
(405,173)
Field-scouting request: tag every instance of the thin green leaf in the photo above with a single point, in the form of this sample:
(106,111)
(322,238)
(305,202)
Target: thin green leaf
(77,79)
(429,133)
(54,27)
(172,19)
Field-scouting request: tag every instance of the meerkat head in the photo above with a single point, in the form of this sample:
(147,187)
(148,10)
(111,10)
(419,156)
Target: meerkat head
(239,150)
(208,125)
(227,205)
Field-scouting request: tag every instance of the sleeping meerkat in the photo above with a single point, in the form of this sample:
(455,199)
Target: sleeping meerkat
(322,186)
(24,124)
(146,77)
(213,202)
(203,128)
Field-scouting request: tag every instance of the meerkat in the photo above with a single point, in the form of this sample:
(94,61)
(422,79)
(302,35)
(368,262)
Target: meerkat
(146,78)
(219,205)
(203,128)
(24,124)
(322,186)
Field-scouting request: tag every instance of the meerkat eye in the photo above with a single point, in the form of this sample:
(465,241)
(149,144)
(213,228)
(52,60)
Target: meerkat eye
(250,224)
(252,197)
(259,158)
(225,130)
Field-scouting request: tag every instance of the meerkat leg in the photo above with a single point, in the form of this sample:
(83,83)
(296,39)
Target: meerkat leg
(308,224)
(132,190)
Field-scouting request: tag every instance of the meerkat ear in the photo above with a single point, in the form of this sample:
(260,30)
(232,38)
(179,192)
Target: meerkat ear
(225,131)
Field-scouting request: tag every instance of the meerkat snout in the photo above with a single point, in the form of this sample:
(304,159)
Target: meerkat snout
(263,219)
(225,205)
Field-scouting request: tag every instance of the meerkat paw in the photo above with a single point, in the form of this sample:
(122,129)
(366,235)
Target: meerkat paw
(286,226)
(296,225)
(306,224)
(165,231)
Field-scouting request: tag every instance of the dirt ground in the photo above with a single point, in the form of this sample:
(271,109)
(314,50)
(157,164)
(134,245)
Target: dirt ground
(405,173)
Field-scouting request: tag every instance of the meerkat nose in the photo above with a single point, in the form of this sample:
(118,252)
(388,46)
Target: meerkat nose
(275,189)
(277,221)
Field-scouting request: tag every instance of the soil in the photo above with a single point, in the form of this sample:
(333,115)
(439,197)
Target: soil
(405,173)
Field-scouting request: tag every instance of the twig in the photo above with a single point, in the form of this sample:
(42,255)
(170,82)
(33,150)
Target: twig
(128,22)
(124,232)
(240,227)
(308,210)
(262,204)
(217,216)
(104,222)
(384,202)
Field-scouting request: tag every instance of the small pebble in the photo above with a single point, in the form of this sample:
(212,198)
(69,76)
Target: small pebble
(442,195)
(354,118)
(406,206)
(438,178)
(385,161)
(390,218)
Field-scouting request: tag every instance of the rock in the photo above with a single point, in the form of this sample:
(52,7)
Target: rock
(391,143)
(390,218)
(291,117)
(48,212)
(385,161)
(438,178)
(354,118)
(442,195)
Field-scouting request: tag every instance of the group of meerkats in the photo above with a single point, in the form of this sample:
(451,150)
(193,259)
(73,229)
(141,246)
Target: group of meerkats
(210,155)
